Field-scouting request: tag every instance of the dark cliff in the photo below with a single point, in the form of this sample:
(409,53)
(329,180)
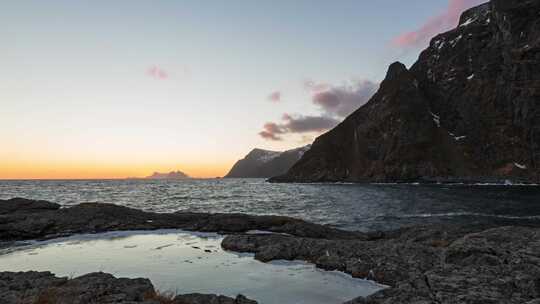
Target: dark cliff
(467,110)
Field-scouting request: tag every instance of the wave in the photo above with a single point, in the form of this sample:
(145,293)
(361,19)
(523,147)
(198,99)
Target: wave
(477,214)
(505,184)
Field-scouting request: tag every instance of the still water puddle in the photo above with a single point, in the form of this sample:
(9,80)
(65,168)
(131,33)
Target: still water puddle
(186,262)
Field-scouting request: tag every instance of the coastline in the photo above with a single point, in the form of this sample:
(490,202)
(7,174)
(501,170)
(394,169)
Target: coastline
(445,181)
(421,263)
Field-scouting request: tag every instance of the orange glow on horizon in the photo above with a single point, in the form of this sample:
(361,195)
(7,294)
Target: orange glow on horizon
(36,170)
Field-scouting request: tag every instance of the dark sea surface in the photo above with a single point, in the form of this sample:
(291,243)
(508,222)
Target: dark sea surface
(348,206)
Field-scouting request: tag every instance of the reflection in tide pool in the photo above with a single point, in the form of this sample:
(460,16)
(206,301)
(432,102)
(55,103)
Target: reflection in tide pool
(185,262)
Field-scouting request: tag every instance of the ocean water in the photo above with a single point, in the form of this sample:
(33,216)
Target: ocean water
(182,262)
(362,207)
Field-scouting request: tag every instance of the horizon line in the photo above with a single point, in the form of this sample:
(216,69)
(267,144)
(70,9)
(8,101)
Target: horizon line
(105,178)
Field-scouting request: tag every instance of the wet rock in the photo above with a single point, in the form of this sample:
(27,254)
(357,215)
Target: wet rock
(22,219)
(389,260)
(211,299)
(45,288)
(22,206)
(473,265)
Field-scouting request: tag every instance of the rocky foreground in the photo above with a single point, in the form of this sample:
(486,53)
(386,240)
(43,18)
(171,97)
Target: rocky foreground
(442,264)
(102,288)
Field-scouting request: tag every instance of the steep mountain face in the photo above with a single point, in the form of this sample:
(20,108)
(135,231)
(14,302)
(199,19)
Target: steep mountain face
(263,163)
(467,110)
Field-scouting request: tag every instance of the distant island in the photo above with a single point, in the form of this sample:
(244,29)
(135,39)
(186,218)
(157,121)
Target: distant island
(171,175)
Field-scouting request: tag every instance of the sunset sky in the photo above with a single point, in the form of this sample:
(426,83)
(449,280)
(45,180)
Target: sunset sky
(111,89)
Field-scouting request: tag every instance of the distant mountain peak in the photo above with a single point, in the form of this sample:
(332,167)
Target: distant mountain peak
(260,163)
(262,155)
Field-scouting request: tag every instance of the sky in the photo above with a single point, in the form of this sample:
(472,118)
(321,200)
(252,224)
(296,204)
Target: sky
(113,89)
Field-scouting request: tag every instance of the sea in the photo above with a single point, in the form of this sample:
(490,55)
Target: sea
(360,207)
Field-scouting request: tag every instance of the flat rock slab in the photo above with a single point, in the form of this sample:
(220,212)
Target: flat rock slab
(45,288)
(23,219)
(498,265)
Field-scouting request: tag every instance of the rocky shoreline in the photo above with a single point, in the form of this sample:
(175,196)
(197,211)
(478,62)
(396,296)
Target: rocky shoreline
(423,264)
(435,180)
(45,288)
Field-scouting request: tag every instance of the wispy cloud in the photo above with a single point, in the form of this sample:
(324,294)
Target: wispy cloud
(297,124)
(340,101)
(275,96)
(270,136)
(306,124)
(334,103)
(272,131)
(157,72)
(435,25)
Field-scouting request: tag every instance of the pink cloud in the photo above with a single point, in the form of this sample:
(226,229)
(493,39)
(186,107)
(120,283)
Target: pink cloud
(272,131)
(275,96)
(436,24)
(326,99)
(297,124)
(269,136)
(340,101)
(157,73)
(273,128)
